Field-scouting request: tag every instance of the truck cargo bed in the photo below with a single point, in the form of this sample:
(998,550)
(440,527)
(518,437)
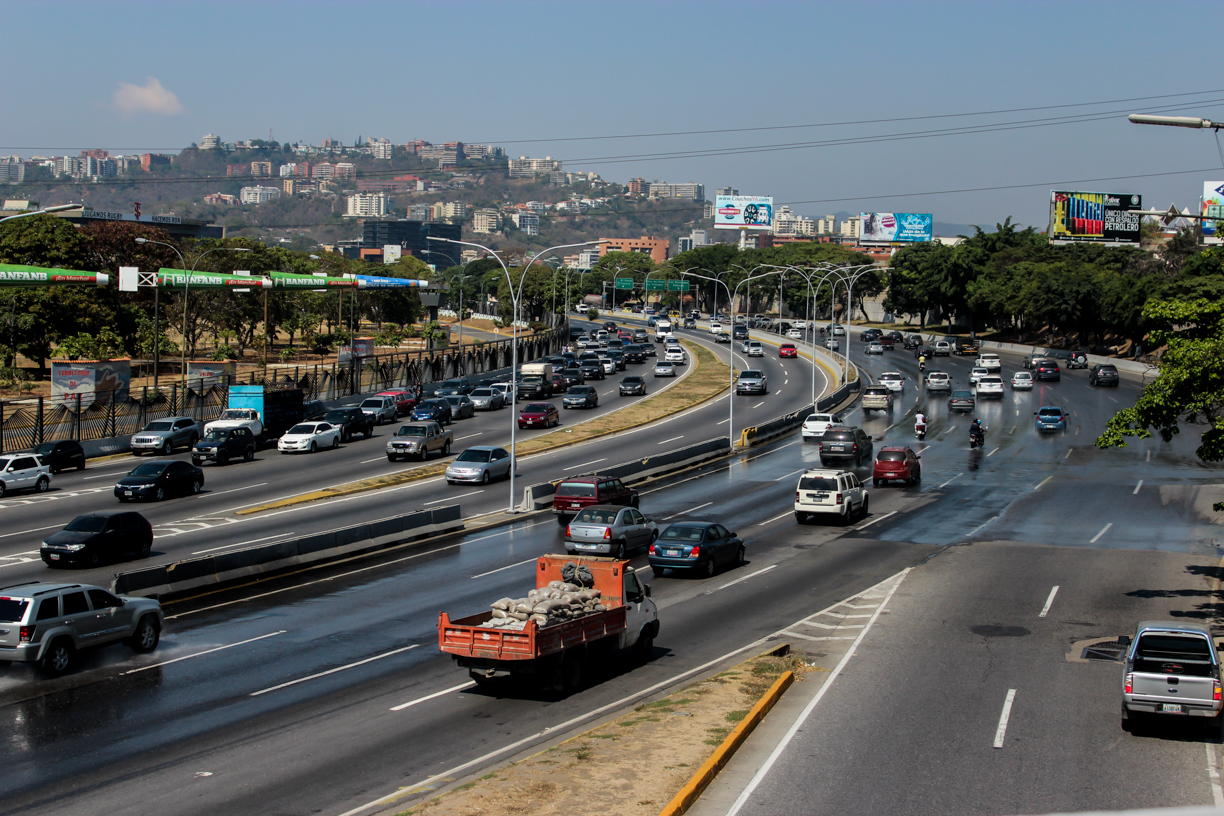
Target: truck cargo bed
(465,637)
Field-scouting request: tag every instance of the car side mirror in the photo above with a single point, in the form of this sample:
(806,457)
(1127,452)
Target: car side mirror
(870,438)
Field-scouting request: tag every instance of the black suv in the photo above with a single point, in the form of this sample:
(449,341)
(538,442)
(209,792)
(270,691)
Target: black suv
(221,445)
(1103,374)
(351,421)
(591,369)
(842,443)
(634,353)
(61,455)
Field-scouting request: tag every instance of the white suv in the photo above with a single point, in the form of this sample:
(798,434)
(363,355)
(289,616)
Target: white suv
(22,471)
(830,492)
(753,348)
(990,362)
(990,385)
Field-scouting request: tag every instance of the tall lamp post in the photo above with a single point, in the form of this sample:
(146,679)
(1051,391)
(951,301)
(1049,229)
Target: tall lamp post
(186,291)
(43,211)
(514,297)
(847,275)
(812,292)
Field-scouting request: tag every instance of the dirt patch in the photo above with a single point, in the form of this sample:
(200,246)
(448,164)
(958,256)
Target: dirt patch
(632,766)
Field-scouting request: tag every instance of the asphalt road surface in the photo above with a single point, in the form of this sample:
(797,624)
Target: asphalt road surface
(325,692)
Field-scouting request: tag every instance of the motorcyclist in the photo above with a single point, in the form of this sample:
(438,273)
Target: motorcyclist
(976,431)
(922,362)
(920,423)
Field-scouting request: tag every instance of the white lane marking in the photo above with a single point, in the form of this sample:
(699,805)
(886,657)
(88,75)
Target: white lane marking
(1069,450)
(333,671)
(776,393)
(1043,481)
(728,419)
(499,569)
(761,773)
(584,464)
(452,498)
(993,452)
(874,520)
(950,481)
(1104,530)
(34,530)
(21,558)
(469,436)
(469,684)
(1213,776)
(223,492)
(759,404)
(1136,491)
(788,475)
(980,526)
(685,512)
(775,518)
(745,578)
(1001,731)
(242,543)
(375,459)
(103,476)
(206,651)
(1049,601)
(673,439)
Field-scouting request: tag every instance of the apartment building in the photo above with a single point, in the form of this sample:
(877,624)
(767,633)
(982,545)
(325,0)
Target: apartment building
(344,170)
(150,160)
(456,210)
(851,227)
(694,240)
(486,221)
(323,170)
(480,152)
(523,167)
(258,194)
(639,187)
(12,169)
(366,205)
(210,142)
(691,190)
(659,249)
(381,148)
(528,222)
(786,222)
(826,225)
(419,212)
(221,199)
(261,168)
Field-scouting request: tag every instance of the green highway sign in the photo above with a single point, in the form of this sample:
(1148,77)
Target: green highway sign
(655,284)
(677,286)
(624,283)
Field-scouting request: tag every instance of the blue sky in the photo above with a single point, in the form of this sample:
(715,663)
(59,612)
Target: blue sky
(542,78)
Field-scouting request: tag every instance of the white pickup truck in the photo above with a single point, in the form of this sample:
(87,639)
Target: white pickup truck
(237,418)
(1172,670)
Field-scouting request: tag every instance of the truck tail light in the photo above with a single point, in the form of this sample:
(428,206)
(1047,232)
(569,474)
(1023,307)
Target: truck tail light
(1216,693)
(796,495)
(1129,686)
(27,635)
(567,531)
(839,498)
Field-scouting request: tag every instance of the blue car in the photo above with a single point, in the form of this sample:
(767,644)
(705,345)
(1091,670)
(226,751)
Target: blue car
(1051,418)
(437,410)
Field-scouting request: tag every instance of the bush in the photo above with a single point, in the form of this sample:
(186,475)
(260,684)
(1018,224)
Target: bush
(225,352)
(592,313)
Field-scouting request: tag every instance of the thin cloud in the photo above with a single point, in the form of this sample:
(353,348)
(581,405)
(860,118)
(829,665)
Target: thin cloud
(151,98)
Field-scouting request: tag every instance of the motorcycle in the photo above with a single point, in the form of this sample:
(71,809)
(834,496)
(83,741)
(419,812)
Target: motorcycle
(921,365)
(977,437)
(920,432)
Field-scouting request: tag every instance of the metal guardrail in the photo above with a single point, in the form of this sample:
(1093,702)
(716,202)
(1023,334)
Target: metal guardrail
(773,428)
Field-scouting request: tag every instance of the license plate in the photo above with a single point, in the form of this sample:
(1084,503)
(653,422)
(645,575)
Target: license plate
(817,496)
(127,492)
(673,552)
(837,447)
(575,506)
(54,557)
(1170,707)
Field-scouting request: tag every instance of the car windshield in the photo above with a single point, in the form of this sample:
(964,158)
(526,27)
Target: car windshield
(148,470)
(337,416)
(12,610)
(891,456)
(216,436)
(473,455)
(576,489)
(410,430)
(449,384)
(817,483)
(483,392)
(750,374)
(371,403)
(304,430)
(159,426)
(44,448)
(86,524)
(537,408)
(1050,412)
(683,532)
(632,380)
(455,400)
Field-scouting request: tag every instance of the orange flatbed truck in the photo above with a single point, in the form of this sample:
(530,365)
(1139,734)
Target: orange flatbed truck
(558,656)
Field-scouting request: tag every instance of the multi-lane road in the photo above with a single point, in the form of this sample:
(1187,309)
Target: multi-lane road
(325,692)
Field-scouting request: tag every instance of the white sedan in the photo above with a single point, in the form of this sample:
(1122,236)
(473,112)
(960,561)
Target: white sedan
(795,334)
(892,380)
(309,436)
(675,355)
(816,424)
(976,373)
(1022,381)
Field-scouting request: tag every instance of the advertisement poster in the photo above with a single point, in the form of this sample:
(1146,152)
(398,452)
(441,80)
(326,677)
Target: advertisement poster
(743,212)
(896,227)
(92,379)
(210,372)
(1095,217)
(1213,207)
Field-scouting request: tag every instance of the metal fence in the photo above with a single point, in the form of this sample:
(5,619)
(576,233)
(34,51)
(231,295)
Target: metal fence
(27,422)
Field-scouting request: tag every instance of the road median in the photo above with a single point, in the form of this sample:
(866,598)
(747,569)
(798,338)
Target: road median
(706,379)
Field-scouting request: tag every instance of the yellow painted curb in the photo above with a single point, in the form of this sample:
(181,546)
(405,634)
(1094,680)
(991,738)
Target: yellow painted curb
(706,773)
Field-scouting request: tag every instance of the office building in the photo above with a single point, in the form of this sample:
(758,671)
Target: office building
(786,222)
(413,237)
(288,169)
(418,212)
(381,148)
(659,249)
(366,205)
(261,168)
(12,169)
(694,240)
(826,225)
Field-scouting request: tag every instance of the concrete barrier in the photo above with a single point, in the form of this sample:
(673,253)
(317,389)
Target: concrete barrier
(1145,370)
(181,576)
(756,434)
(540,496)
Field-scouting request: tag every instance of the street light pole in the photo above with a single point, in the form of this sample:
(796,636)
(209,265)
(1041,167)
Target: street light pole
(44,211)
(514,298)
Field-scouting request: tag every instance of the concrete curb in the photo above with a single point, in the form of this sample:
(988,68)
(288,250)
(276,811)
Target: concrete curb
(722,755)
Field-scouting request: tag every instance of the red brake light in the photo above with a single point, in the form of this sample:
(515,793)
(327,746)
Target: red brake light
(607,533)
(796,495)
(567,531)
(695,552)
(652,549)
(839,498)
(27,635)
(1216,693)
(1129,686)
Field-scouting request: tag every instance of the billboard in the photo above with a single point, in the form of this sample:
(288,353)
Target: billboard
(1094,217)
(743,212)
(20,275)
(90,379)
(894,227)
(1213,207)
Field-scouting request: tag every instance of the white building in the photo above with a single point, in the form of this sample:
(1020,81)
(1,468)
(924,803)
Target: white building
(210,142)
(536,206)
(523,167)
(381,148)
(455,209)
(258,194)
(365,205)
(288,169)
(786,222)
(851,227)
(528,222)
(486,221)
(689,190)
(695,239)
(587,258)
(12,169)
(826,225)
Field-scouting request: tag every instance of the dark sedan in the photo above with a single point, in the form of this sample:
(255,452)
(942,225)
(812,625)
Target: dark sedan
(572,376)
(633,385)
(538,415)
(460,386)
(961,401)
(156,480)
(581,396)
(696,546)
(433,410)
(94,537)
(592,370)
(924,351)
(66,453)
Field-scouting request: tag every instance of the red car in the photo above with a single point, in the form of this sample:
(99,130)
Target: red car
(539,415)
(405,398)
(896,463)
(788,350)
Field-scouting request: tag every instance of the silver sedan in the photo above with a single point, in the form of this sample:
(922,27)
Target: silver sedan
(480,464)
(487,399)
(609,530)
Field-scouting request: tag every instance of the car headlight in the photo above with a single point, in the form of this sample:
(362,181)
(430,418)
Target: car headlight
(74,547)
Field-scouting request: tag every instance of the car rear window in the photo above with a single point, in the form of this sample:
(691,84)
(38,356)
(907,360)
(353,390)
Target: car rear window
(817,483)
(990,380)
(1107,369)
(584,490)
(12,610)
(876,391)
(1050,412)
(678,532)
(1173,654)
(819,418)
(891,456)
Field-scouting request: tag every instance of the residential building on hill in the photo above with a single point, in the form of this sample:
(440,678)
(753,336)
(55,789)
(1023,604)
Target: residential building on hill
(258,194)
(528,222)
(486,221)
(659,249)
(210,142)
(365,205)
(220,199)
(523,167)
(261,168)
(237,169)
(381,148)
(689,190)
(639,187)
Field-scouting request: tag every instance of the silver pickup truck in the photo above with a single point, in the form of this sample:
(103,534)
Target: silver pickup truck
(1172,670)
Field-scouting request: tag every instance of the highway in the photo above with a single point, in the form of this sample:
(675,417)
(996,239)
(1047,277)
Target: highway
(326,693)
